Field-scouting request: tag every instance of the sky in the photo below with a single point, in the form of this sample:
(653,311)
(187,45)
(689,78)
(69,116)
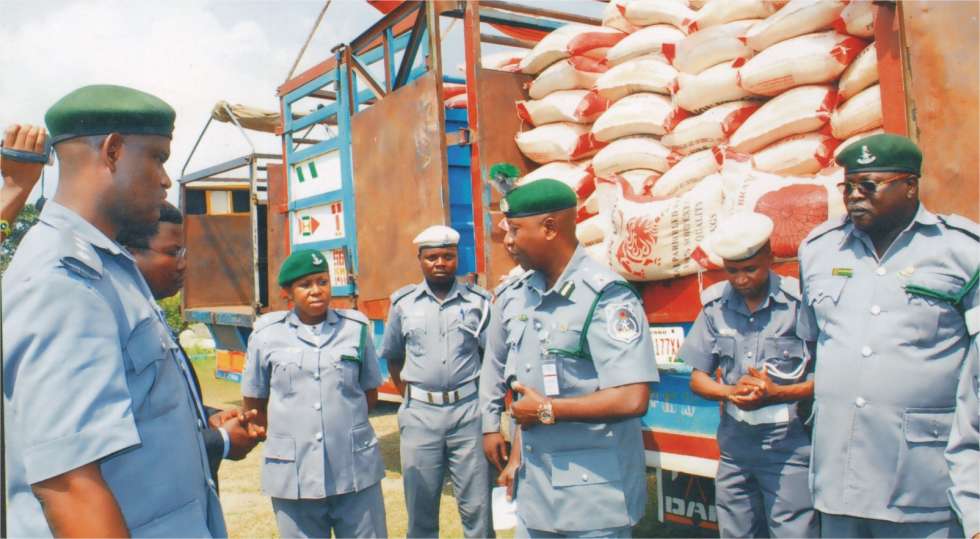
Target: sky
(192,54)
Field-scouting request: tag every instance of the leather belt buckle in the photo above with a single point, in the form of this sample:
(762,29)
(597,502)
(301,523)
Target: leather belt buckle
(429,397)
(445,397)
(456,396)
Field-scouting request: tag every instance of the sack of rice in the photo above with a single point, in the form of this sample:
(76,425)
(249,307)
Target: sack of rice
(857,19)
(649,40)
(563,141)
(628,153)
(636,114)
(576,72)
(717,12)
(576,174)
(859,113)
(653,239)
(713,86)
(569,40)
(630,184)
(578,106)
(799,154)
(650,12)
(612,16)
(854,138)
(710,128)
(796,18)
(686,171)
(809,59)
(862,72)
(797,111)
(503,61)
(718,44)
(644,74)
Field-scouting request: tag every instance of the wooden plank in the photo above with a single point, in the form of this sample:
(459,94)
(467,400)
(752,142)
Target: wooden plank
(400,172)
(277,232)
(219,261)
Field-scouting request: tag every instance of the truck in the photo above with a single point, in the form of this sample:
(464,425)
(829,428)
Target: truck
(371,155)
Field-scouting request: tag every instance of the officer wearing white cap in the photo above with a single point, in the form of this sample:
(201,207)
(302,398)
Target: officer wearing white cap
(747,329)
(433,342)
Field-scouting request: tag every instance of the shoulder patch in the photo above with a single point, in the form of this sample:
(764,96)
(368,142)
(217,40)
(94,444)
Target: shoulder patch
(79,256)
(961,223)
(825,227)
(713,293)
(790,286)
(269,319)
(351,314)
(402,292)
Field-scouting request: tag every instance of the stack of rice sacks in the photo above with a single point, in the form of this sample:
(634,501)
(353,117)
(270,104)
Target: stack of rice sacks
(676,113)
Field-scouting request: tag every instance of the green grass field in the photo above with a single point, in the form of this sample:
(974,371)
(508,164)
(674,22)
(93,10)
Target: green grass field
(248,513)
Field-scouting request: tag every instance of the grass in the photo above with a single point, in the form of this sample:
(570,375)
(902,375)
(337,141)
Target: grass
(248,513)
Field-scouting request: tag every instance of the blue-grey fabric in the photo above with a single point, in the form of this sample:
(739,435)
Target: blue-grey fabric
(523,532)
(355,514)
(887,364)
(963,451)
(847,527)
(319,440)
(91,375)
(576,476)
(493,386)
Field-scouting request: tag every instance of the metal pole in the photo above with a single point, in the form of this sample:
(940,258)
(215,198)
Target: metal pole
(308,39)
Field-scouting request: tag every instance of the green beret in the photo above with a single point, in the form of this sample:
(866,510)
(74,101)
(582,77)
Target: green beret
(537,197)
(300,264)
(103,109)
(883,152)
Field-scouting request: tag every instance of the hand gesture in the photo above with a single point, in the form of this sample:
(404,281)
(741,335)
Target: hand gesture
(508,477)
(26,138)
(525,409)
(242,433)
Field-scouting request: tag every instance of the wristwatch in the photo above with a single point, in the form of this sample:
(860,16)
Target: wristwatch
(546,415)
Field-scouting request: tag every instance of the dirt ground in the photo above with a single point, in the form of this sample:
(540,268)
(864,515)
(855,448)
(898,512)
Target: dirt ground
(248,513)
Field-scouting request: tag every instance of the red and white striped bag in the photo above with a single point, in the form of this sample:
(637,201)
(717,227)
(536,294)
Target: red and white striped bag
(628,153)
(798,154)
(686,171)
(717,12)
(796,18)
(578,106)
(713,86)
(706,48)
(857,19)
(710,128)
(644,74)
(570,40)
(859,113)
(575,174)
(797,111)
(649,12)
(649,40)
(636,114)
(576,72)
(563,141)
(862,72)
(809,59)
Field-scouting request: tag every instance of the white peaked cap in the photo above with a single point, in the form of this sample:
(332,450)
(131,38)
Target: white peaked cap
(740,236)
(437,236)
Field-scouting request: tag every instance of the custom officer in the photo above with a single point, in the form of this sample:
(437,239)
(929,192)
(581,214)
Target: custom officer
(103,433)
(963,451)
(582,359)
(888,291)
(747,328)
(312,374)
(433,342)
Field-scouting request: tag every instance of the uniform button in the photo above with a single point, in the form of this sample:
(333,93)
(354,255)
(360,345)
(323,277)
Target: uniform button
(537,325)
(751,319)
(319,436)
(875,310)
(316,406)
(866,351)
(528,448)
(860,402)
(585,477)
(748,354)
(316,376)
(881,270)
(211,483)
(527,367)
(200,424)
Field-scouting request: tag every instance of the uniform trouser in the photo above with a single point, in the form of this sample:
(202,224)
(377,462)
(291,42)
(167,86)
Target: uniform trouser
(436,438)
(523,532)
(847,526)
(355,514)
(762,485)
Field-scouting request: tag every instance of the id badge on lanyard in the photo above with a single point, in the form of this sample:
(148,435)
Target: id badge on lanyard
(549,373)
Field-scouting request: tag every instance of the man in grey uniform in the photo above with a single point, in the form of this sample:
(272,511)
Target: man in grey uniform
(963,451)
(103,434)
(887,291)
(433,342)
(582,356)
(747,328)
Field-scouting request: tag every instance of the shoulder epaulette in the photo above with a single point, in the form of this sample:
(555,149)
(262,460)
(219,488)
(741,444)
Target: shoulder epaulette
(269,319)
(961,223)
(478,290)
(713,292)
(78,255)
(351,314)
(790,286)
(401,293)
(600,280)
(825,227)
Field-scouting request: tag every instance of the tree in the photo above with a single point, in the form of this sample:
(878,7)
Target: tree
(27,218)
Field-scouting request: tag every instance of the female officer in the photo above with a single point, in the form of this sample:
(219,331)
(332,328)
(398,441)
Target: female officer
(312,374)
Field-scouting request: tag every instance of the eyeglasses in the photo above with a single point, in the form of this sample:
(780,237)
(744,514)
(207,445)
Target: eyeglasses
(869,187)
(179,254)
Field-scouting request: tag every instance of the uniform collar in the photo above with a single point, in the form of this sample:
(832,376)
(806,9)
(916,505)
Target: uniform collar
(62,218)
(923,217)
(565,284)
(326,328)
(736,302)
(455,290)
(294,320)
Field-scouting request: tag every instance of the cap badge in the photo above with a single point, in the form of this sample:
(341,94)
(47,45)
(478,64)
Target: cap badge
(317,261)
(866,157)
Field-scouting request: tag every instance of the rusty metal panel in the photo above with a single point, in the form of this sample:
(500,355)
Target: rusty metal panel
(400,184)
(277,232)
(942,39)
(499,123)
(219,261)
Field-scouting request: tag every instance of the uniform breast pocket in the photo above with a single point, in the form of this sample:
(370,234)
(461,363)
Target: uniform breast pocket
(823,295)
(922,475)
(725,349)
(347,361)
(932,313)
(784,358)
(156,384)
(413,331)
(285,370)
